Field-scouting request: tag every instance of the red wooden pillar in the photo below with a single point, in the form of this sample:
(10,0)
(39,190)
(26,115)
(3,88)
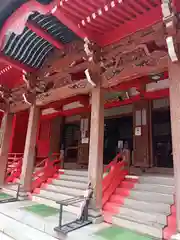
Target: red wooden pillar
(95,168)
(29,151)
(19,132)
(174,78)
(7,125)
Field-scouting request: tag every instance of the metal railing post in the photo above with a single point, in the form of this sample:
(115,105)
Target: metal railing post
(60,215)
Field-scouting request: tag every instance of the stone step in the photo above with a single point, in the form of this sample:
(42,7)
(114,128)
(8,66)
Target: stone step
(11,192)
(54,195)
(13,187)
(73,178)
(154,188)
(151,196)
(40,223)
(71,184)
(19,231)
(154,230)
(52,203)
(64,190)
(157,179)
(82,173)
(148,217)
(147,206)
(5,237)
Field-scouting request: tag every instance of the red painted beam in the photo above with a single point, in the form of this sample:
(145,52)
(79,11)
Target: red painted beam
(148,95)
(137,82)
(67,113)
(157,94)
(75,111)
(19,17)
(15,64)
(122,103)
(44,34)
(130,84)
(83,99)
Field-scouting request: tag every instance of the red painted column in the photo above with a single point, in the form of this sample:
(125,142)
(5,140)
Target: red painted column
(29,151)
(7,124)
(19,131)
(95,168)
(174,78)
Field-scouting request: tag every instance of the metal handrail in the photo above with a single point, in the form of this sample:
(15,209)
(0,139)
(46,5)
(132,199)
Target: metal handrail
(67,202)
(12,199)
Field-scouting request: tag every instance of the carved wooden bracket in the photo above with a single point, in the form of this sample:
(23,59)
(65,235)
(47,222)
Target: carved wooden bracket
(170,22)
(5,98)
(94,57)
(93,51)
(34,86)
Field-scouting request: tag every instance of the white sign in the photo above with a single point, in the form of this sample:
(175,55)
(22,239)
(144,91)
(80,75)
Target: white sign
(85,140)
(138,131)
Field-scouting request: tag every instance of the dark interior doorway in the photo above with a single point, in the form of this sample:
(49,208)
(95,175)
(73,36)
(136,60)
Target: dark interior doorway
(161,138)
(71,136)
(117,129)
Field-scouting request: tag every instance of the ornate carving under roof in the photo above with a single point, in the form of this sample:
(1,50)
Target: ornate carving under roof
(142,53)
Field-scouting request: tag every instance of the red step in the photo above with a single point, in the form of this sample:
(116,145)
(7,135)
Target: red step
(173,209)
(111,207)
(107,217)
(44,185)
(168,232)
(127,184)
(171,224)
(124,192)
(36,190)
(49,180)
(171,220)
(116,198)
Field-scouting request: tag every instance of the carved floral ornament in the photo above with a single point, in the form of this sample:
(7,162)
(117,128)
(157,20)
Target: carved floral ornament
(142,55)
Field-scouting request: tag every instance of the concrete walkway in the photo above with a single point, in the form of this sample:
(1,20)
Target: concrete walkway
(27,220)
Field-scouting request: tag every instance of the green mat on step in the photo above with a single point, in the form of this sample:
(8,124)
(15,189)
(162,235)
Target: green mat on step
(117,233)
(4,196)
(42,210)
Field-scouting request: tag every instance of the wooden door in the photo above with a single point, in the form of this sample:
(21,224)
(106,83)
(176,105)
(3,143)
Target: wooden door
(142,137)
(83,148)
(55,134)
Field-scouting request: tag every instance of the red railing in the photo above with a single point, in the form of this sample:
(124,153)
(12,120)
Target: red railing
(116,172)
(14,167)
(48,169)
(112,163)
(14,157)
